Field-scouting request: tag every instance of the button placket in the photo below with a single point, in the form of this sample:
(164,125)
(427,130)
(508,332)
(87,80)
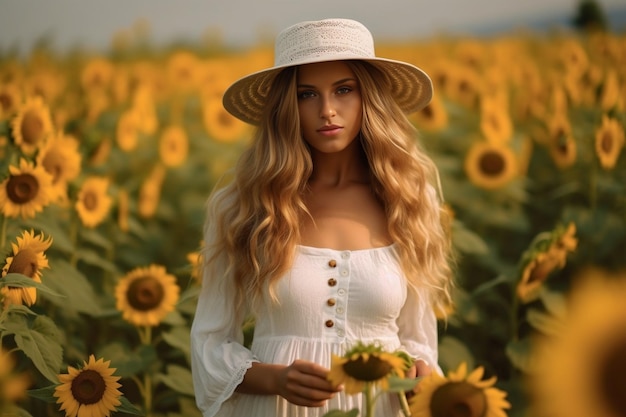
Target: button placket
(336,302)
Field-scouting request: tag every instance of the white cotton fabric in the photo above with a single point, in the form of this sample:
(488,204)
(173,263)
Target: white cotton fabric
(372,304)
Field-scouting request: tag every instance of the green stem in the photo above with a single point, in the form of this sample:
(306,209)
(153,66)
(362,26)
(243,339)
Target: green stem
(74,222)
(3,232)
(404,404)
(369,401)
(147,382)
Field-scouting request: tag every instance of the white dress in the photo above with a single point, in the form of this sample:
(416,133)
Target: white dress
(329,300)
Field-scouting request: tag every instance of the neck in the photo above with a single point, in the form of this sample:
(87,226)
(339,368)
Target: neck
(340,168)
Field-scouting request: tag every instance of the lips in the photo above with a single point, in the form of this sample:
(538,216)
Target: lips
(329,128)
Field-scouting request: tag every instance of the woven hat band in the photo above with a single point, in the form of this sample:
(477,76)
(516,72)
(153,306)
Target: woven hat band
(328,39)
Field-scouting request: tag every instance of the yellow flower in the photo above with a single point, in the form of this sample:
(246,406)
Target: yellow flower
(433,117)
(127,131)
(90,391)
(93,202)
(26,191)
(609,142)
(97,74)
(547,253)
(32,125)
(560,143)
(363,365)
(143,105)
(183,71)
(581,370)
(146,295)
(13,385)
(61,158)
(610,97)
(150,192)
(10,99)
(490,165)
(28,258)
(459,394)
(122,210)
(495,121)
(219,124)
(173,146)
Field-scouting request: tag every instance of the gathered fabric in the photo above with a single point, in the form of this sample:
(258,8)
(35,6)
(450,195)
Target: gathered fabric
(328,301)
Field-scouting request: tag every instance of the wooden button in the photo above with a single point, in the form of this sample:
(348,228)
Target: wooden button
(331,302)
(332,282)
(329,323)
(332,263)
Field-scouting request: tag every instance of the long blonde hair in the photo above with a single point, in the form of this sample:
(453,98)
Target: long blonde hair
(253,223)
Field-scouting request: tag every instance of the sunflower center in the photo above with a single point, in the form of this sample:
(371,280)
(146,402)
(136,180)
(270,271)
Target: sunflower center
(428,112)
(25,263)
(6,102)
(145,293)
(606,143)
(53,163)
(32,128)
(491,164)
(88,387)
(458,399)
(90,200)
(22,188)
(371,370)
(613,378)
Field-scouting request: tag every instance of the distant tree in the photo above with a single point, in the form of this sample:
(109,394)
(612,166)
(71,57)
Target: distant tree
(590,16)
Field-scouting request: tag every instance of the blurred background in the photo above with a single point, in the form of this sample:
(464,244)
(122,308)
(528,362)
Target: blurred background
(113,134)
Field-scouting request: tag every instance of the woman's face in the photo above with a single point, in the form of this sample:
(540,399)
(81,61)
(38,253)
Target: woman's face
(329,105)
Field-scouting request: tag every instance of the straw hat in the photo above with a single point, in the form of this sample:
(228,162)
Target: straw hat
(320,41)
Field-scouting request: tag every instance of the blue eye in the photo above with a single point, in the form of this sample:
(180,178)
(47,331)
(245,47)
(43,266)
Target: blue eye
(343,90)
(305,94)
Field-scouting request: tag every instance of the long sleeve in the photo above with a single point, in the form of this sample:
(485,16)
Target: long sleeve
(417,326)
(219,360)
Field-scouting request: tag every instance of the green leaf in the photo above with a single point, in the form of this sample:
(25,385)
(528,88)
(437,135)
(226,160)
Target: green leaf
(41,344)
(77,292)
(45,394)
(12,410)
(339,413)
(127,362)
(545,323)
(128,408)
(397,384)
(452,352)
(467,241)
(13,279)
(519,353)
(178,337)
(97,259)
(555,302)
(179,379)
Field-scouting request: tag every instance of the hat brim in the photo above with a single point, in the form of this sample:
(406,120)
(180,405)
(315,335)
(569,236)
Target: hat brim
(411,87)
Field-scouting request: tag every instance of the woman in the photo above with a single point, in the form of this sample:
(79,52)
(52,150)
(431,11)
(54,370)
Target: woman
(330,233)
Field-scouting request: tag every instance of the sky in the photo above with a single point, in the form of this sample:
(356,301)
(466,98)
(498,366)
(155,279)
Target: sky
(92,23)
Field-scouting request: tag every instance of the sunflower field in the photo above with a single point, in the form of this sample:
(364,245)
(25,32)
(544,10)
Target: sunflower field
(107,159)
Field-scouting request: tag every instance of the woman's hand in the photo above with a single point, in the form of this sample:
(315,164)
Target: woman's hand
(304,383)
(419,369)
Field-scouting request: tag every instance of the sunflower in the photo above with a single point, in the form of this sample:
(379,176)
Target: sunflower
(495,121)
(28,258)
(183,71)
(26,191)
(581,371)
(490,165)
(363,365)
(433,117)
(89,391)
(559,140)
(32,125)
(93,202)
(610,98)
(13,385)
(146,295)
(173,146)
(609,142)
(547,253)
(150,192)
(10,99)
(97,74)
(61,158)
(144,106)
(127,131)
(459,394)
(219,124)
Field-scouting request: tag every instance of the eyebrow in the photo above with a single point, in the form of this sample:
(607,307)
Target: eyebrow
(342,81)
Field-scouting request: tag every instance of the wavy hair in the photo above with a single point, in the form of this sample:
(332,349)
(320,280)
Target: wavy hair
(253,222)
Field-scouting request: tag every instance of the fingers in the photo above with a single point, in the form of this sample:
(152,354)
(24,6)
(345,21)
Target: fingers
(305,383)
(422,368)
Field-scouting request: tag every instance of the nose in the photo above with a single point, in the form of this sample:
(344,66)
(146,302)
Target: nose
(327,108)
